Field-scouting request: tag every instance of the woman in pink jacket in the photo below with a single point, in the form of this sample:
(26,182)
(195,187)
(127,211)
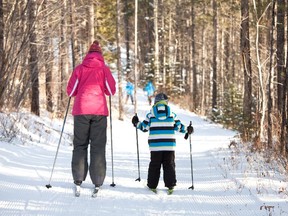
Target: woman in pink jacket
(89,83)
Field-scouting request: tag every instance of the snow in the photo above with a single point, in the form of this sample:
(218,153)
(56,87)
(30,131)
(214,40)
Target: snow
(227,181)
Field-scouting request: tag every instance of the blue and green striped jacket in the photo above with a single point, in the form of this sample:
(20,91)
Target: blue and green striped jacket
(161,123)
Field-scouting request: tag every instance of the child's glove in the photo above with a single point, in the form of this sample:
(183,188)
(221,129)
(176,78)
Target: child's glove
(135,120)
(190,130)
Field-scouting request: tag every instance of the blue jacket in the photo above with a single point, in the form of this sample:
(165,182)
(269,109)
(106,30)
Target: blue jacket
(161,124)
(149,88)
(129,88)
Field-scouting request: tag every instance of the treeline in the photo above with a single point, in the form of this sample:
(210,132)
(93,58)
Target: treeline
(226,59)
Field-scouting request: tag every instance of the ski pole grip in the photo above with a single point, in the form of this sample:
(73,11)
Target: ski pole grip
(187,135)
(135,120)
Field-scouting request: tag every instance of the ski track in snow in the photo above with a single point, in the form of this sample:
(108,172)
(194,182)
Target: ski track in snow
(219,187)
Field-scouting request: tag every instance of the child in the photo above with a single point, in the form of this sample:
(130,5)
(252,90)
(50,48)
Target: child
(161,123)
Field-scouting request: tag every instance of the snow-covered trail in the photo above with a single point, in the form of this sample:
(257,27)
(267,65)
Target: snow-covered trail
(224,183)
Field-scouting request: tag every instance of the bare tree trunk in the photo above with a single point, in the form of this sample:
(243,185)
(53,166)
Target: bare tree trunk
(233,30)
(227,59)
(118,35)
(214,64)
(2,54)
(220,80)
(203,62)
(280,52)
(127,37)
(171,51)
(246,60)
(63,57)
(136,56)
(164,52)
(156,74)
(48,67)
(90,19)
(1,37)
(33,60)
(261,77)
(270,102)
(194,89)
(284,125)
(72,39)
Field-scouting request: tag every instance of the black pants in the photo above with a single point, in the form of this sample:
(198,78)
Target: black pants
(167,160)
(89,129)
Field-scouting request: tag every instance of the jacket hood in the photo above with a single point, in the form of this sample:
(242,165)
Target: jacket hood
(161,110)
(93,59)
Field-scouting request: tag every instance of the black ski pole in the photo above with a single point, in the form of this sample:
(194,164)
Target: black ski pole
(191,162)
(138,179)
(112,184)
(49,184)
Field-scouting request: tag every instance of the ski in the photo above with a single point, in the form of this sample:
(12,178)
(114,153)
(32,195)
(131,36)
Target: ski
(95,192)
(170,191)
(77,191)
(154,190)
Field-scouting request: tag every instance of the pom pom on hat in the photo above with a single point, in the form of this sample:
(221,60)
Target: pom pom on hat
(95,47)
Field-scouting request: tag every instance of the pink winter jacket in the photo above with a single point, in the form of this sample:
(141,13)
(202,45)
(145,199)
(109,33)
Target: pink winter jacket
(89,83)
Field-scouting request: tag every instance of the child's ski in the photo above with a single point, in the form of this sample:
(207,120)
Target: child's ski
(170,191)
(153,190)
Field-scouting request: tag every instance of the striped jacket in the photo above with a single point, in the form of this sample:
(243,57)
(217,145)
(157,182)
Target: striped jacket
(161,123)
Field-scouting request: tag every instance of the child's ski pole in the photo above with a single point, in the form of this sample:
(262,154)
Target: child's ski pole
(138,179)
(191,162)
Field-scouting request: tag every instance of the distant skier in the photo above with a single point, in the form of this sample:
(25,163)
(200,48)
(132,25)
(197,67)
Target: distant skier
(89,83)
(129,91)
(150,89)
(161,123)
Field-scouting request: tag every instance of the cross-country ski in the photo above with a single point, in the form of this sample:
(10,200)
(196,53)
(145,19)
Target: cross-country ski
(95,192)
(170,191)
(77,190)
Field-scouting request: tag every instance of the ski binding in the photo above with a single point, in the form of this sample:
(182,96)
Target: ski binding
(95,192)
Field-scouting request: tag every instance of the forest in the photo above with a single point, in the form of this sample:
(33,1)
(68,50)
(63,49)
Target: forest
(224,59)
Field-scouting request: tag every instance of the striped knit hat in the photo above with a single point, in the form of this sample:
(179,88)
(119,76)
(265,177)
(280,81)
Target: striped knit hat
(95,47)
